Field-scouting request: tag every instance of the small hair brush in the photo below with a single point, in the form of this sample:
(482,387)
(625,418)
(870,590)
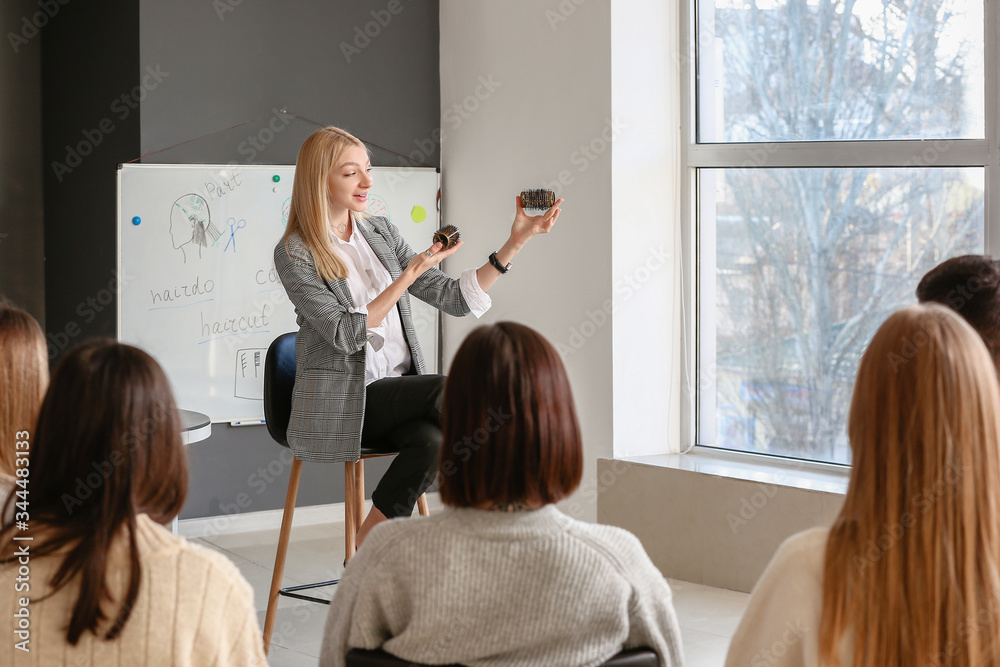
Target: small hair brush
(447,236)
(539,200)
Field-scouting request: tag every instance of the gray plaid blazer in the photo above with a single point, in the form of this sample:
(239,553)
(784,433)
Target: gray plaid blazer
(328,401)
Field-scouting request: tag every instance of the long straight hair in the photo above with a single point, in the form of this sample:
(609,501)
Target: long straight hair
(309,210)
(911,564)
(107,448)
(24,375)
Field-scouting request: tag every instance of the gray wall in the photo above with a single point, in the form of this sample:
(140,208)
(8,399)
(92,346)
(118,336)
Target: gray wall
(90,56)
(22,278)
(219,70)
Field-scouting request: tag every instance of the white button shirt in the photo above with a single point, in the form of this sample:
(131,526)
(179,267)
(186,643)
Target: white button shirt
(387,354)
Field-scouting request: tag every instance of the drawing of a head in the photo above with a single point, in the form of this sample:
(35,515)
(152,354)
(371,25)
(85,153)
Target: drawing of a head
(191,220)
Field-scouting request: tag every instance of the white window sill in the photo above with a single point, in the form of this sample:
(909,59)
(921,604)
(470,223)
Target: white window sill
(807,475)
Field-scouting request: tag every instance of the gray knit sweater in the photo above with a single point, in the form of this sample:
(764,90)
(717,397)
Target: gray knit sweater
(490,588)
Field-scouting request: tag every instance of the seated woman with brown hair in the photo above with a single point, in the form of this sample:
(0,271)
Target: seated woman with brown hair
(92,577)
(909,573)
(502,577)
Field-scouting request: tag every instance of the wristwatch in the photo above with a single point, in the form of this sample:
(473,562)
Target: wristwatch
(496,263)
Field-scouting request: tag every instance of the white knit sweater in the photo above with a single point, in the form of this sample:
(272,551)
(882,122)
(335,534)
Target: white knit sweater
(194,608)
(487,588)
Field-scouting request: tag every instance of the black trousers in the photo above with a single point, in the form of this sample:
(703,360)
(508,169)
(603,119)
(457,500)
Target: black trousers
(403,414)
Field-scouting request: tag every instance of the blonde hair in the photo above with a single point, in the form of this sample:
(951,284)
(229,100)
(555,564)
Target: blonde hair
(910,569)
(309,209)
(24,377)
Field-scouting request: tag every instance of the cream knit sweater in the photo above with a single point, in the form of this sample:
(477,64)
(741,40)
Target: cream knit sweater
(780,627)
(501,588)
(194,608)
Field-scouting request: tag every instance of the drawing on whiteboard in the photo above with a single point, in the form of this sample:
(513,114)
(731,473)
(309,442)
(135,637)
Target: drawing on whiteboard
(286,210)
(250,373)
(233,228)
(377,206)
(191,223)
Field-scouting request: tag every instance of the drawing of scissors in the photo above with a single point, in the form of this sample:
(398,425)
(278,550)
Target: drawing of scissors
(233,228)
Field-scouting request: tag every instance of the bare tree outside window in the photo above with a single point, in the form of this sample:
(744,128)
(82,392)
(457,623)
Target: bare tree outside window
(808,262)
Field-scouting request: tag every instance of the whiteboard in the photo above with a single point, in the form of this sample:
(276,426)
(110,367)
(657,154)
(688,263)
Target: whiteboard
(198,287)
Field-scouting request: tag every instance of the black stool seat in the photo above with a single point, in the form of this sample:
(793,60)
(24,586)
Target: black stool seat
(635,657)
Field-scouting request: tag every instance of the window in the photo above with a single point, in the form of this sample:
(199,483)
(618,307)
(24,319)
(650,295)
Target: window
(836,151)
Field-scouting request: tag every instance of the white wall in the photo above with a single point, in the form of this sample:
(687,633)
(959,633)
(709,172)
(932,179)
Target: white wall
(646,258)
(549,97)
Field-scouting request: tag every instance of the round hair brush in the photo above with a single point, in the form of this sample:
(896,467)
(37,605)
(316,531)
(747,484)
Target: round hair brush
(539,200)
(447,236)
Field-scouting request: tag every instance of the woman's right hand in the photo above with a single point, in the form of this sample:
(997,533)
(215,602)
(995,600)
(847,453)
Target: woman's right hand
(430,258)
(380,306)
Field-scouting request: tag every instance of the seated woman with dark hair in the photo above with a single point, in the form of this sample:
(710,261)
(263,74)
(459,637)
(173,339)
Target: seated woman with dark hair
(969,285)
(106,584)
(502,577)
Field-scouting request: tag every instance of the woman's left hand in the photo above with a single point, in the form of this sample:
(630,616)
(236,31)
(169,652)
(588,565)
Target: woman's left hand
(525,226)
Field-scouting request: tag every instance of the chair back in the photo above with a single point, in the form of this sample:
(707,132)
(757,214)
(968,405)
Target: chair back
(279,380)
(636,657)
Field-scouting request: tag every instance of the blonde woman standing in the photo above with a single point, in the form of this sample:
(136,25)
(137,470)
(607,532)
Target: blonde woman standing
(909,573)
(360,374)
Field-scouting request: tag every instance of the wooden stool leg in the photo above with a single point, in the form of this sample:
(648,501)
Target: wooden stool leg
(354,506)
(350,515)
(359,491)
(279,558)
(422,505)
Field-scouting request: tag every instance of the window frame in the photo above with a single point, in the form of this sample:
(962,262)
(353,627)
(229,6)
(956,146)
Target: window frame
(979,153)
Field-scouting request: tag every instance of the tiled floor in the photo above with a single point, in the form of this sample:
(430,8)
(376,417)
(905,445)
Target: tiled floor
(708,616)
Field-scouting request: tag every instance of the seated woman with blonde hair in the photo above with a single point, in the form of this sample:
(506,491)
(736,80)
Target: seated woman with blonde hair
(107,584)
(24,375)
(502,577)
(909,573)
